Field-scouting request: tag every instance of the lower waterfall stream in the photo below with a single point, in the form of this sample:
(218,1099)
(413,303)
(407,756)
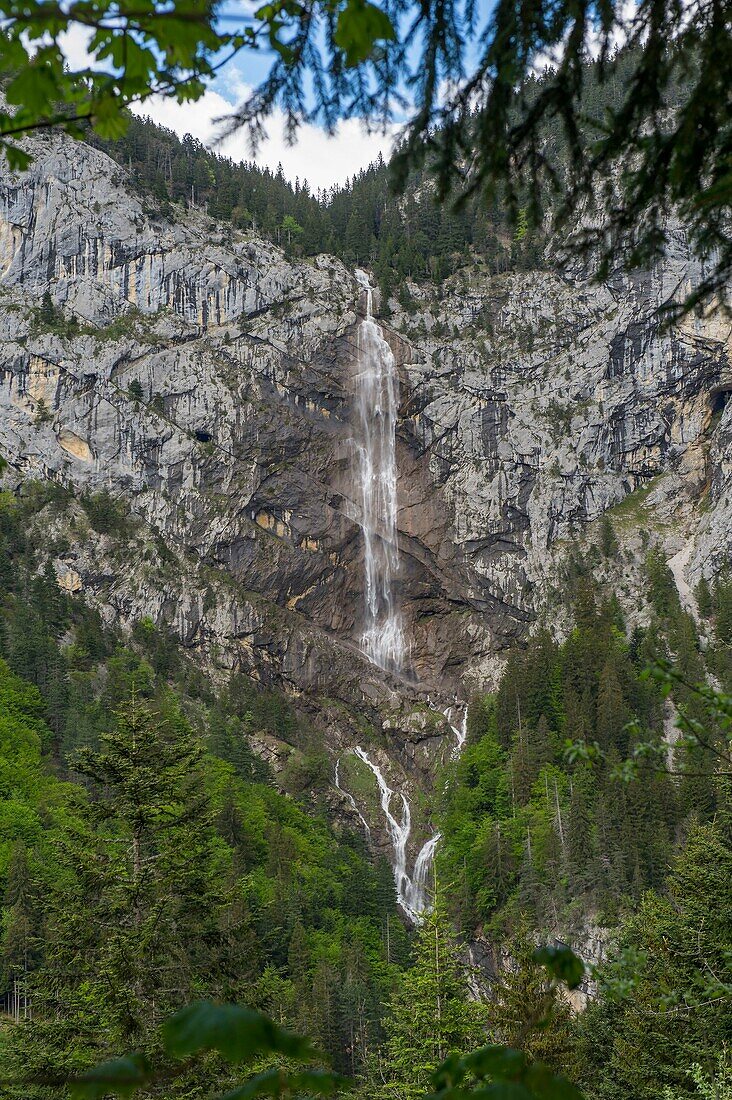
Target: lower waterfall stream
(411,891)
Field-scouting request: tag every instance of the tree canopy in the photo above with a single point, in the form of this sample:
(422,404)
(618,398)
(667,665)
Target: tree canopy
(495,103)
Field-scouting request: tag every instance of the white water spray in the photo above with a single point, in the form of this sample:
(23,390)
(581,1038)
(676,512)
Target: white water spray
(412,892)
(377,403)
(461,731)
(398,830)
(418,897)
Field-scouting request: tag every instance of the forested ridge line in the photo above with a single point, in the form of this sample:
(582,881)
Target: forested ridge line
(402,236)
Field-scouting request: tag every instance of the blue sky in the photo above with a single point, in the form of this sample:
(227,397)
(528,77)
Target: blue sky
(323,160)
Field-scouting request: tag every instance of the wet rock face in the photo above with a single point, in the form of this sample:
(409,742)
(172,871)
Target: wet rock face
(207,379)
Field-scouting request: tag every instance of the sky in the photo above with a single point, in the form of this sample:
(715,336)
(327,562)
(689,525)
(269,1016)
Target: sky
(322,160)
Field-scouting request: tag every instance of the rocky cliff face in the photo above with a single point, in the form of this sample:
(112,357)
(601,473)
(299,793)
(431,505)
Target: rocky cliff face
(206,379)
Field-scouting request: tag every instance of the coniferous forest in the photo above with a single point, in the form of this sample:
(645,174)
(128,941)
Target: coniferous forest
(402,236)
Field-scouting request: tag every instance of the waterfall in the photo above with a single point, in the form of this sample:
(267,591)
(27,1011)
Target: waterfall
(418,899)
(377,403)
(461,731)
(398,830)
(411,891)
(382,641)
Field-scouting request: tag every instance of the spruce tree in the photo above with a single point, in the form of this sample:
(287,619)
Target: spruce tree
(430,1016)
(139,921)
(526,1010)
(21,933)
(47,313)
(667,1005)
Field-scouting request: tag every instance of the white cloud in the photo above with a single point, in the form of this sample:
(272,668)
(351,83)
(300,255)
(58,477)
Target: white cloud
(75,44)
(321,160)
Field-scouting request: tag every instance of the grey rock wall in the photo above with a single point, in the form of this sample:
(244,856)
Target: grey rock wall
(530,405)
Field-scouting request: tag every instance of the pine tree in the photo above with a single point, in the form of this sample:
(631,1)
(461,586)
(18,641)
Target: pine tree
(431,1015)
(612,713)
(21,938)
(139,921)
(526,1010)
(608,538)
(47,312)
(581,836)
(704,598)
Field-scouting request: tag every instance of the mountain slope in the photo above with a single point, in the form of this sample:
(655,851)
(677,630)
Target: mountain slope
(204,381)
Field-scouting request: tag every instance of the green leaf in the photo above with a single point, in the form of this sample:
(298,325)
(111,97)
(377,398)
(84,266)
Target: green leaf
(457,1092)
(118,1077)
(503,1090)
(544,1084)
(14,55)
(239,1034)
(360,26)
(34,89)
(18,160)
(110,120)
(505,1063)
(451,1072)
(192,89)
(562,963)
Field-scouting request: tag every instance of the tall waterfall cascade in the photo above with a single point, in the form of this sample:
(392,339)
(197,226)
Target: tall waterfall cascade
(383,639)
(376,406)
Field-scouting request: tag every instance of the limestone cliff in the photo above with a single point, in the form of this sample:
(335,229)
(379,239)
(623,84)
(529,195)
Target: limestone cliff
(205,378)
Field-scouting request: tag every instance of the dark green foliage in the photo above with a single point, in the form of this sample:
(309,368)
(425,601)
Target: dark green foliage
(430,1016)
(107,515)
(47,314)
(43,414)
(526,1009)
(235,892)
(138,917)
(608,538)
(502,1073)
(362,221)
(526,829)
(639,132)
(703,596)
(665,1004)
(48,317)
(232,1034)
(719,608)
(662,591)
(146,862)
